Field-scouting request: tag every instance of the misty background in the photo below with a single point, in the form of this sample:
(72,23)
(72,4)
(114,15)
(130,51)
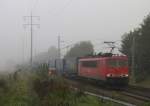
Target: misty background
(73,20)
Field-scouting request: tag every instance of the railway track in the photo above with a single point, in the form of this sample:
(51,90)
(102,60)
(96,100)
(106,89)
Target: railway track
(128,95)
(110,99)
(103,97)
(143,98)
(141,91)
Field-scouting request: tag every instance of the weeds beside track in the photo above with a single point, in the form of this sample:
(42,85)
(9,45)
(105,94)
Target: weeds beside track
(123,94)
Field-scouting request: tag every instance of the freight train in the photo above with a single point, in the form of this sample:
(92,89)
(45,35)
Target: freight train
(109,68)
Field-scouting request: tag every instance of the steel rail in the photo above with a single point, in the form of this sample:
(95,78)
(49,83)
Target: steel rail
(110,99)
(129,98)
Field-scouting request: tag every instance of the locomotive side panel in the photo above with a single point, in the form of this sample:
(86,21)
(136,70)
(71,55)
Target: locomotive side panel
(103,69)
(90,69)
(108,69)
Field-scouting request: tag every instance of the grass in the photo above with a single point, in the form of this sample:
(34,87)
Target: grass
(36,88)
(145,83)
(19,92)
(94,101)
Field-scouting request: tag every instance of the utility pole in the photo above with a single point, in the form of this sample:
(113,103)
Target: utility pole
(133,60)
(23,49)
(59,51)
(31,24)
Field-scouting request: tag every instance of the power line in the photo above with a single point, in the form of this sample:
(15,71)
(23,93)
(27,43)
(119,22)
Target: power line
(65,6)
(35,4)
(31,24)
(61,10)
(111,44)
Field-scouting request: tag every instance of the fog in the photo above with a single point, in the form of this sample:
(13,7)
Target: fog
(73,20)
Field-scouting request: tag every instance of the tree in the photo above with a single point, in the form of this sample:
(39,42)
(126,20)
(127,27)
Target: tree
(81,49)
(144,43)
(127,43)
(53,52)
(43,57)
(141,47)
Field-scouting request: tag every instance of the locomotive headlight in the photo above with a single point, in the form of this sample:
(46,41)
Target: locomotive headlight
(108,75)
(126,75)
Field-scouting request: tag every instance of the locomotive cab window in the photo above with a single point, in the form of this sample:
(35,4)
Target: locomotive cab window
(117,63)
(89,64)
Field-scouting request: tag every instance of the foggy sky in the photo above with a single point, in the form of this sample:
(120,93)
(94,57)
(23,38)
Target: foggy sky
(74,20)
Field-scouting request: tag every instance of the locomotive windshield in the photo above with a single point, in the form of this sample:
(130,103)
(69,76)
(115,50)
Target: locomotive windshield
(117,63)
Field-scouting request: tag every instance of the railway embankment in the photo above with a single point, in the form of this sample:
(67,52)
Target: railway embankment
(36,88)
(130,95)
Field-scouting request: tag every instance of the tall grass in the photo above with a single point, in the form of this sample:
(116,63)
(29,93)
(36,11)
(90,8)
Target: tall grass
(53,90)
(15,90)
(33,87)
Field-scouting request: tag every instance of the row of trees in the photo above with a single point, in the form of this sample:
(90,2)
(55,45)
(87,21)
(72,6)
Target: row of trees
(43,57)
(80,49)
(137,43)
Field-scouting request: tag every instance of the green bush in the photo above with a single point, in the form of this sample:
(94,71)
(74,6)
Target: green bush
(35,88)
(55,92)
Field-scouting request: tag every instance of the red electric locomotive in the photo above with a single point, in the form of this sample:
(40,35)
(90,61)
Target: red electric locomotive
(112,69)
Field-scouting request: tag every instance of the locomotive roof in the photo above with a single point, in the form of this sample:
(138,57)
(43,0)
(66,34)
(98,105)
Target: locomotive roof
(103,57)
